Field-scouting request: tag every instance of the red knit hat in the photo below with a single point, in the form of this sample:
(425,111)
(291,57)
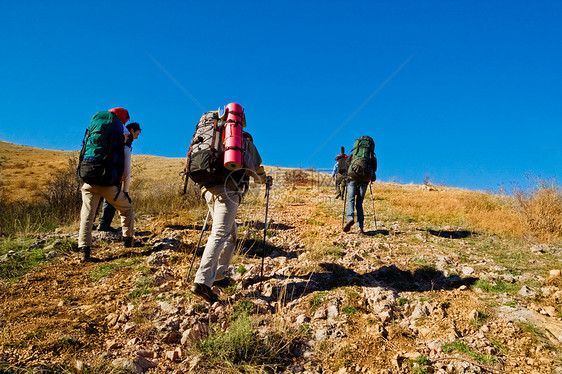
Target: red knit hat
(121,113)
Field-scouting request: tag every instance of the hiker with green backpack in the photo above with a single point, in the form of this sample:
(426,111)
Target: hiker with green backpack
(108,211)
(361,171)
(100,167)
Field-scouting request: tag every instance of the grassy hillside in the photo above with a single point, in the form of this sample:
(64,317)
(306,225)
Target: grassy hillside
(445,281)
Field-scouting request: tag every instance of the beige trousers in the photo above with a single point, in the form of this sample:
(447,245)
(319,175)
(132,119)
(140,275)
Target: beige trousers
(223,204)
(91,195)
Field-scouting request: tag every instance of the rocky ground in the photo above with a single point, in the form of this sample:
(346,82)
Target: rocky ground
(404,298)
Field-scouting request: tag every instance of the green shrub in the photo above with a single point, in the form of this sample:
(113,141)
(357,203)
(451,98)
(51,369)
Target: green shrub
(237,345)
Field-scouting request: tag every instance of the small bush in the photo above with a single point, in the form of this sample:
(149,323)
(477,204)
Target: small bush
(63,193)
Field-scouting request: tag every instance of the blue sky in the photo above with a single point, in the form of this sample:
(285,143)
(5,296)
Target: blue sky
(467,93)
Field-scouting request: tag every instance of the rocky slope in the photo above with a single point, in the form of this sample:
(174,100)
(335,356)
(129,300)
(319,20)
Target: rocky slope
(404,298)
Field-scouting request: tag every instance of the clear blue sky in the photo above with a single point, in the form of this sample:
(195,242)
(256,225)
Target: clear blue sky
(466,92)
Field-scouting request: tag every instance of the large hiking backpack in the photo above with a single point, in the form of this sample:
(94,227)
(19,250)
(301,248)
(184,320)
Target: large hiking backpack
(205,158)
(343,164)
(101,159)
(205,155)
(363,164)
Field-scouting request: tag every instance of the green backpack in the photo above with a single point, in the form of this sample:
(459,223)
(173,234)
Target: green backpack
(363,164)
(101,159)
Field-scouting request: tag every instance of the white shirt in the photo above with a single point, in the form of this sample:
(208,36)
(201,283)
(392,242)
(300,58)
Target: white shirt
(127,169)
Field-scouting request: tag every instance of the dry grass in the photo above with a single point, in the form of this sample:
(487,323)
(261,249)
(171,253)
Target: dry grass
(157,184)
(541,210)
(451,207)
(25,171)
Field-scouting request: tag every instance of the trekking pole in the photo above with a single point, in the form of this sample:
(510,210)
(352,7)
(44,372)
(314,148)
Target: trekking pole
(198,243)
(344,203)
(267,185)
(373,199)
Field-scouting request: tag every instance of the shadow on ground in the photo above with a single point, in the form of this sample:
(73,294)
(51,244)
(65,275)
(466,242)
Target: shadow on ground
(452,234)
(391,277)
(377,232)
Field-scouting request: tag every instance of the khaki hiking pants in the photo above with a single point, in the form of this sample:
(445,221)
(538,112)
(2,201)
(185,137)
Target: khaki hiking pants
(223,204)
(91,196)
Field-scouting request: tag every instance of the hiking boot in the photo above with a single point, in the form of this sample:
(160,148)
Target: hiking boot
(225,282)
(205,292)
(128,241)
(348,225)
(84,254)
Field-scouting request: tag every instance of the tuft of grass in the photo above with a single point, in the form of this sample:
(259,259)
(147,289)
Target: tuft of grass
(318,299)
(144,281)
(403,301)
(315,222)
(533,329)
(461,346)
(240,269)
(244,307)
(499,286)
(349,310)
(306,331)
(238,345)
(335,251)
(479,320)
(136,294)
(422,262)
(67,343)
(419,364)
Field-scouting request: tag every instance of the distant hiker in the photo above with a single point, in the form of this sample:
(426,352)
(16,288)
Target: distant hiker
(101,168)
(108,211)
(361,171)
(223,179)
(339,173)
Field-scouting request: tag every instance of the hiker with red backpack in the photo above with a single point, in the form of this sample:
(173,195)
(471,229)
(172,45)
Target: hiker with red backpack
(339,173)
(100,167)
(361,171)
(220,160)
